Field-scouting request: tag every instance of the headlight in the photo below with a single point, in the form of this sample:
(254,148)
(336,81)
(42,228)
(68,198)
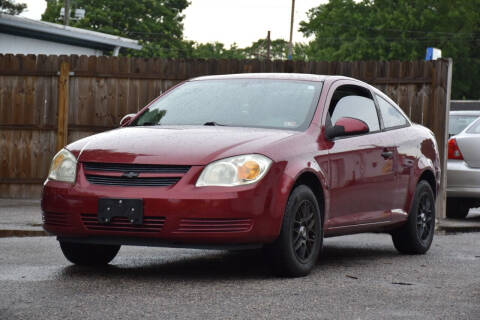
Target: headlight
(234,171)
(64,167)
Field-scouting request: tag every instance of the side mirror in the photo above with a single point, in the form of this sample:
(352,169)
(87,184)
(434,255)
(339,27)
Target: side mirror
(126,119)
(346,127)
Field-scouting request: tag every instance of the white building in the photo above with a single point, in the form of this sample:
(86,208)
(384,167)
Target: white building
(20,35)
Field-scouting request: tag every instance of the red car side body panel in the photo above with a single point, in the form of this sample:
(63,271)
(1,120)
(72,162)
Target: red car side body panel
(361,190)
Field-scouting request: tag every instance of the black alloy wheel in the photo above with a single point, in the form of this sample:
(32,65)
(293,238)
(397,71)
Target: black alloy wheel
(304,231)
(296,250)
(416,236)
(425,217)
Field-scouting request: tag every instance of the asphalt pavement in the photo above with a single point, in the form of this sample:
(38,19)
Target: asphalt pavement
(20,218)
(357,277)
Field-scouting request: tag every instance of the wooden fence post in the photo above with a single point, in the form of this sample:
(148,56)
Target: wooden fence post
(62,114)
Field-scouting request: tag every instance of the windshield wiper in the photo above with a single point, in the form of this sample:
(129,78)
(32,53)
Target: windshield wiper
(213,123)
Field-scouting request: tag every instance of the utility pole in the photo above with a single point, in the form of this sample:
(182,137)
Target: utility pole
(290,43)
(67,12)
(268,45)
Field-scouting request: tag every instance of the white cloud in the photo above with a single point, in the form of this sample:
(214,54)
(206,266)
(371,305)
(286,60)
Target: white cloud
(35,8)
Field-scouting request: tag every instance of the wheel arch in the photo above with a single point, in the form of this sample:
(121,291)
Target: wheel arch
(428,176)
(312,181)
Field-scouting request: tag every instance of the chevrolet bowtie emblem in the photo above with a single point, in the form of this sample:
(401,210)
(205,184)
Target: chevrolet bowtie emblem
(130,174)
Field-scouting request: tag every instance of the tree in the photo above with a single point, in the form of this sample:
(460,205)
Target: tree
(278,50)
(399,30)
(10,7)
(158,24)
(258,49)
(214,50)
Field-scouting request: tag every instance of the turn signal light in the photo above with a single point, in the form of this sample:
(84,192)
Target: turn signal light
(248,171)
(453,150)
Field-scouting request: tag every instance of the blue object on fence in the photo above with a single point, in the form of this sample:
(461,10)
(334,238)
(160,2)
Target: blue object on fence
(433,54)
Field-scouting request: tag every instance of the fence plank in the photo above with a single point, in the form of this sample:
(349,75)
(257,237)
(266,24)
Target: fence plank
(63,90)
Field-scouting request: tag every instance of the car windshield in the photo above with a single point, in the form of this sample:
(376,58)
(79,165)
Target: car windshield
(262,103)
(459,122)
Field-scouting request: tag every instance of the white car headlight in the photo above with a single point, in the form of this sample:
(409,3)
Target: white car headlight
(63,167)
(234,171)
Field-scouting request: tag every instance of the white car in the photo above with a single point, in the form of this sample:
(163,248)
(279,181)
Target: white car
(463,167)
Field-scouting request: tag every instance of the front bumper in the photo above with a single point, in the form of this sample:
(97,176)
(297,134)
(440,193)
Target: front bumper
(179,215)
(462,181)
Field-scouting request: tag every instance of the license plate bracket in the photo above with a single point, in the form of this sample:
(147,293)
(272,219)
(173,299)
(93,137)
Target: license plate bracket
(132,209)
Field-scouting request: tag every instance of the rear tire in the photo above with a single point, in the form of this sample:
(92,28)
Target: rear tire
(89,254)
(416,236)
(296,250)
(457,208)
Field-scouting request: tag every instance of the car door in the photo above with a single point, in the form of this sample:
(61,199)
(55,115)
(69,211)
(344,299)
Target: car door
(395,126)
(361,175)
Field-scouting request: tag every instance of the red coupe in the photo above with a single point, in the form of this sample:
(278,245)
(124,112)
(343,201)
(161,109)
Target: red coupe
(278,161)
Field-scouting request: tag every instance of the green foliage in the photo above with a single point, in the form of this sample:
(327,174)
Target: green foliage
(399,30)
(157,23)
(278,50)
(215,50)
(52,12)
(258,50)
(10,7)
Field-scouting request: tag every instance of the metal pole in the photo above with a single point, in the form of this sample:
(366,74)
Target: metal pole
(268,45)
(67,12)
(290,43)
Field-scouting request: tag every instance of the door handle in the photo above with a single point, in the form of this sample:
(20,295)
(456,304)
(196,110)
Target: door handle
(387,154)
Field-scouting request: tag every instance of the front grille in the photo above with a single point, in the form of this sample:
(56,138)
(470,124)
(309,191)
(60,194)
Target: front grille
(122,181)
(56,219)
(122,224)
(138,168)
(127,174)
(214,225)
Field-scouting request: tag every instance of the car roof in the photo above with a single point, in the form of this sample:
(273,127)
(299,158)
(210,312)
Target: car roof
(280,76)
(465,113)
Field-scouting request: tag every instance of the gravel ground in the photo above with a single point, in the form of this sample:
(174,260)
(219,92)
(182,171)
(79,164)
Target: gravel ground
(357,277)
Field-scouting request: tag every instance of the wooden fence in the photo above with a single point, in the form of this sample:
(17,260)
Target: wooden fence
(41,107)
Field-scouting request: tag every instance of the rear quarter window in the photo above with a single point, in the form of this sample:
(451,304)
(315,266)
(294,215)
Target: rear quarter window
(475,128)
(391,116)
(459,122)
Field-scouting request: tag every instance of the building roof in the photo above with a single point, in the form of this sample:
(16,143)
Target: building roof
(63,34)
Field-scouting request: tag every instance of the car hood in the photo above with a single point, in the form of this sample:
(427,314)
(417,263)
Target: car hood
(182,145)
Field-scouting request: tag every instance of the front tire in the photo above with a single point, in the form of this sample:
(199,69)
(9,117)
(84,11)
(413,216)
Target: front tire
(89,254)
(416,236)
(296,250)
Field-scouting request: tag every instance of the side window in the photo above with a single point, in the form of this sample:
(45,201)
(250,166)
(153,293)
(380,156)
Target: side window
(354,102)
(391,116)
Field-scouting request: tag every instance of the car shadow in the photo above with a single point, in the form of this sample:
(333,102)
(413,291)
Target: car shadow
(223,265)
(247,264)
(344,255)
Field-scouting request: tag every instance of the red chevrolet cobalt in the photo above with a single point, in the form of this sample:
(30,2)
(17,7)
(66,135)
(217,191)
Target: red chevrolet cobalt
(278,161)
